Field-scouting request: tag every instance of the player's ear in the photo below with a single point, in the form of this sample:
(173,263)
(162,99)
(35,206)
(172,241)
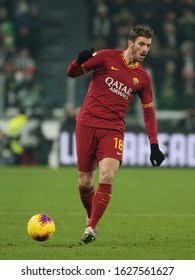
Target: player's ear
(130,43)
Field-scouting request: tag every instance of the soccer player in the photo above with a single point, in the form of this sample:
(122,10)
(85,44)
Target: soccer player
(118,77)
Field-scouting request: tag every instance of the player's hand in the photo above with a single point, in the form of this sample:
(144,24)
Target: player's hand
(156,156)
(85,55)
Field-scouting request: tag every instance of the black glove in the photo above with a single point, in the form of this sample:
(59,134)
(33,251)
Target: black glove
(84,55)
(156,156)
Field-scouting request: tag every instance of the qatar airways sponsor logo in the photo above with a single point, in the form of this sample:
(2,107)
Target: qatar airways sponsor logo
(118,88)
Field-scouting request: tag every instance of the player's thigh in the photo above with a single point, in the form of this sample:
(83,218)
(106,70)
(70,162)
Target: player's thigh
(107,169)
(86,146)
(110,145)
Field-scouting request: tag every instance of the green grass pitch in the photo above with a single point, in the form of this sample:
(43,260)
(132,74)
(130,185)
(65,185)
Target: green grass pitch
(151,215)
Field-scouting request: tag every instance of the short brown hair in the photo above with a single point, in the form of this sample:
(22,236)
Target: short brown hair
(140,31)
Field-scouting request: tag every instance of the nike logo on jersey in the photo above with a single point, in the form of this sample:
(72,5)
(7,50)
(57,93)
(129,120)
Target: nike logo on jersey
(114,68)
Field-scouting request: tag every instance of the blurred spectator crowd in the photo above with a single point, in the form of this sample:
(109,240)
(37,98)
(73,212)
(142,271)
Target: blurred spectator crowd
(20,93)
(171,61)
(20,43)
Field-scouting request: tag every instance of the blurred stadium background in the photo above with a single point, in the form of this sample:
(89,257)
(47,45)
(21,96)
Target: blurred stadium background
(38,103)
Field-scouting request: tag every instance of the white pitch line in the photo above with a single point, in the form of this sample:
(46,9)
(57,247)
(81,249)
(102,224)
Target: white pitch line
(125,214)
(122,214)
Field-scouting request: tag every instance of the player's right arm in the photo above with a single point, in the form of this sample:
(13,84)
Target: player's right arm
(74,69)
(86,61)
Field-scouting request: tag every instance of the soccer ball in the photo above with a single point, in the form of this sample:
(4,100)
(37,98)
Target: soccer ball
(41,227)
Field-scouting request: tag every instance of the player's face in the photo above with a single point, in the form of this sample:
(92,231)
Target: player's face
(140,48)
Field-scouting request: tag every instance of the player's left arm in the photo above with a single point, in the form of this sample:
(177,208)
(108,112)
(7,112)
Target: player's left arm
(156,157)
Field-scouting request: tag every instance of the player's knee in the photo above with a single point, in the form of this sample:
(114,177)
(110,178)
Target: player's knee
(85,181)
(106,177)
(84,189)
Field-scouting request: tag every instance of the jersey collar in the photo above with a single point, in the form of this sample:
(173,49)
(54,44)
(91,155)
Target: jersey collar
(130,66)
